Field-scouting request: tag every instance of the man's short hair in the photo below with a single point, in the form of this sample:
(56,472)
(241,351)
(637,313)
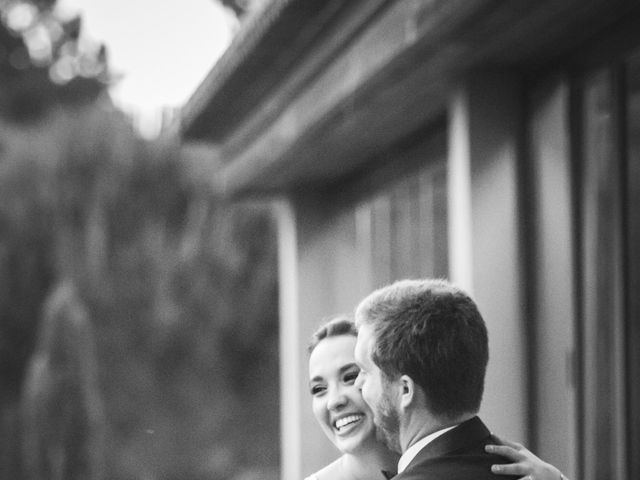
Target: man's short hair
(433,332)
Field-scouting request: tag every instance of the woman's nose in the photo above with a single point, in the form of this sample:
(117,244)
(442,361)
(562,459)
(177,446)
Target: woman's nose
(336,400)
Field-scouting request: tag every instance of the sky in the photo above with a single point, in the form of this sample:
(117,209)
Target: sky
(160,49)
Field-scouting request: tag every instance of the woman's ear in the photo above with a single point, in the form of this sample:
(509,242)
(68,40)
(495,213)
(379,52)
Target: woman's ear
(408,391)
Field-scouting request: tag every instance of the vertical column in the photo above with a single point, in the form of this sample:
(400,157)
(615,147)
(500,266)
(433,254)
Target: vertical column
(553,279)
(602,277)
(632,255)
(485,259)
(290,371)
(459,187)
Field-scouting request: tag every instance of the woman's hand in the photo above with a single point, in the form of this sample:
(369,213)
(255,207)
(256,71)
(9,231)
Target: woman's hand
(525,463)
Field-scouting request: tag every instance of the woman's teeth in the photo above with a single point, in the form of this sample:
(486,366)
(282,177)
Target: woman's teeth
(344,421)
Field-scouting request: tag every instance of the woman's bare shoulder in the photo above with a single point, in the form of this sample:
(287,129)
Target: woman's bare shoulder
(330,472)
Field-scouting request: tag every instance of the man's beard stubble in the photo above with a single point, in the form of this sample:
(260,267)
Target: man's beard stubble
(388,425)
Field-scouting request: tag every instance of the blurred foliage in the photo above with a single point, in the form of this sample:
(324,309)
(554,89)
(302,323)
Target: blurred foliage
(62,413)
(43,62)
(179,285)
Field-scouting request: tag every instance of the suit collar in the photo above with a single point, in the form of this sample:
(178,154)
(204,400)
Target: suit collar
(408,456)
(464,435)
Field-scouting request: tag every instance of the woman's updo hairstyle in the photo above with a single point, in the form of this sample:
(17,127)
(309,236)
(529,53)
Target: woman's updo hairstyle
(333,327)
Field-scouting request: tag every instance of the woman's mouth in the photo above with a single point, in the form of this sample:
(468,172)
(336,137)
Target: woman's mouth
(345,423)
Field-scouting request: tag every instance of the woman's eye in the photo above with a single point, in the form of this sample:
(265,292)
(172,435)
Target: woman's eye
(317,389)
(351,377)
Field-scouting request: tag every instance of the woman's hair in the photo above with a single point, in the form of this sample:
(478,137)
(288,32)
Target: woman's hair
(333,327)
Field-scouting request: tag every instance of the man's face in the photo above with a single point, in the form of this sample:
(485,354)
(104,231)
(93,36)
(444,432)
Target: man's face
(376,391)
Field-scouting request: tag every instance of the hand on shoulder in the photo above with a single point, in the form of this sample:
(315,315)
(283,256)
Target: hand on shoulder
(524,463)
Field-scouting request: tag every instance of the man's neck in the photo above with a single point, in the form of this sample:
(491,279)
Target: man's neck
(424,424)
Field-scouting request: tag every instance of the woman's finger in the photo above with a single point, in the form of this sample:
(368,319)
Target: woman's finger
(505,451)
(516,445)
(509,469)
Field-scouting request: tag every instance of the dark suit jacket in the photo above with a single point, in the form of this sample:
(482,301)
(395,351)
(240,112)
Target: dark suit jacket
(456,455)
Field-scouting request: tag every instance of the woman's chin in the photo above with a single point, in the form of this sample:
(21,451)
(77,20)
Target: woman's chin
(354,440)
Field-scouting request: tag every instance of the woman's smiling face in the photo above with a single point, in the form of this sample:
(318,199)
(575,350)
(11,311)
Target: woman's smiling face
(337,403)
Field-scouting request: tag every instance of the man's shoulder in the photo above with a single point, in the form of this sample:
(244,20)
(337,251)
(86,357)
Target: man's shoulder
(453,467)
(457,455)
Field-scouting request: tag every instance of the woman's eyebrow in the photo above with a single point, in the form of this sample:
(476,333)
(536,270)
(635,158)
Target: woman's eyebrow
(341,370)
(349,366)
(344,368)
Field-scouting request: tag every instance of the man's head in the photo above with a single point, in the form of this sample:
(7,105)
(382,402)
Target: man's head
(422,345)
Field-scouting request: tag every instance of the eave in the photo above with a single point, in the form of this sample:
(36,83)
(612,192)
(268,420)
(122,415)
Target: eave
(318,90)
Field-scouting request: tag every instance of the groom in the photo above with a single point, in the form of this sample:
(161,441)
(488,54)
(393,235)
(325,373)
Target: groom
(422,349)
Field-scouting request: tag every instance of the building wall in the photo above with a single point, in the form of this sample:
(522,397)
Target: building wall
(340,245)
(533,187)
(582,157)
(351,240)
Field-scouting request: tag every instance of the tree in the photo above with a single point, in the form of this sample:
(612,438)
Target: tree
(42,62)
(180,286)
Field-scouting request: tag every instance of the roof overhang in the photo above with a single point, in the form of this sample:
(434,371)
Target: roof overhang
(311,92)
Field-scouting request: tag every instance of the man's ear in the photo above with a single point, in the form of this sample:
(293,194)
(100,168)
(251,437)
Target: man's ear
(408,391)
